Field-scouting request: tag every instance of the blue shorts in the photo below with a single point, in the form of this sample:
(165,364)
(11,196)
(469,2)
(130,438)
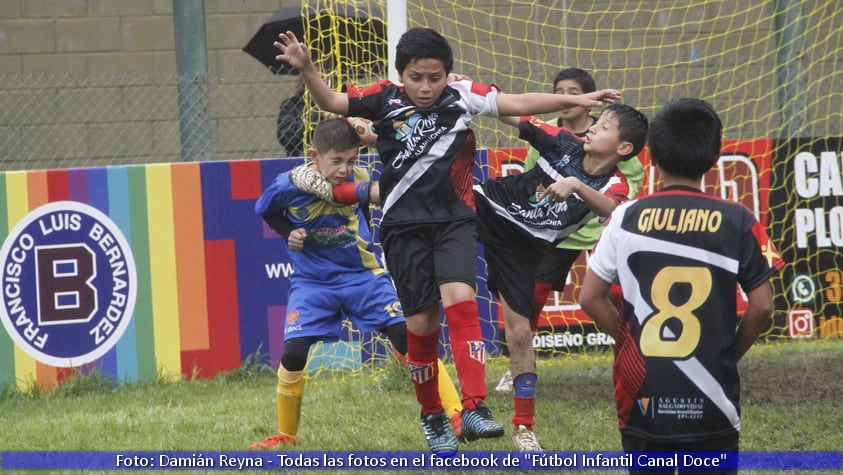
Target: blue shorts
(315,309)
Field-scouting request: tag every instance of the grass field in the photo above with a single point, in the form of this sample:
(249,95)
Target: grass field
(792,400)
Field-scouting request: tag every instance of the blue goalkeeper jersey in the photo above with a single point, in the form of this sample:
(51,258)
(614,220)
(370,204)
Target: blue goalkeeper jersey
(338,242)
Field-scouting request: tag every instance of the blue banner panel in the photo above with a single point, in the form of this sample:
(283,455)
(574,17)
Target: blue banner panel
(426,461)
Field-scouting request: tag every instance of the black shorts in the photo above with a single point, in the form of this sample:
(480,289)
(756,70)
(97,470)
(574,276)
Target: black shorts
(555,266)
(421,257)
(512,259)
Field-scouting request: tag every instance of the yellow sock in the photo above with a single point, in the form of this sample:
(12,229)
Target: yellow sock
(448,393)
(289,394)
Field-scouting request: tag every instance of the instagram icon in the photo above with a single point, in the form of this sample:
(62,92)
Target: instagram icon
(800,323)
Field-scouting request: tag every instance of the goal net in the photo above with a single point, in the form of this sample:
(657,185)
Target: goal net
(771,69)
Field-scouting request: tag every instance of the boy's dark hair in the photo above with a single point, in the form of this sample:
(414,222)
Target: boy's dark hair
(422,43)
(335,134)
(684,138)
(632,126)
(581,76)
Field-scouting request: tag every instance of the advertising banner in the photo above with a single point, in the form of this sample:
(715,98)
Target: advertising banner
(807,214)
(149,271)
(138,271)
(145,271)
(742,174)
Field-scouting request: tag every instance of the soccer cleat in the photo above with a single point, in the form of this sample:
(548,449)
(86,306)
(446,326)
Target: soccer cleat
(525,440)
(274,440)
(456,423)
(437,430)
(505,384)
(478,423)
(311,181)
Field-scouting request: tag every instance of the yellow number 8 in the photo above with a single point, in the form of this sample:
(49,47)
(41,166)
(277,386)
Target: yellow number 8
(653,343)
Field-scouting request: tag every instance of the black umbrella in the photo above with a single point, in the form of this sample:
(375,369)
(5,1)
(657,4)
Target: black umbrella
(360,36)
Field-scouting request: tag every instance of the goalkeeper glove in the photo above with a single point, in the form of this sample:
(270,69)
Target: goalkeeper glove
(311,181)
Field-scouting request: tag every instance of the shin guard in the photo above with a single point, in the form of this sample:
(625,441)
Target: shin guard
(524,400)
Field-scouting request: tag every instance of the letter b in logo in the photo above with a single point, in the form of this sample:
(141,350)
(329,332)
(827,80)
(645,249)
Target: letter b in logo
(65,294)
(68,284)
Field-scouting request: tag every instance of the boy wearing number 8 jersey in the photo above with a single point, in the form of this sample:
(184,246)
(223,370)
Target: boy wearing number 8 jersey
(678,255)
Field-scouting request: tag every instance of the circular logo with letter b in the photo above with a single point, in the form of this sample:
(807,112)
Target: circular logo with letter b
(68,282)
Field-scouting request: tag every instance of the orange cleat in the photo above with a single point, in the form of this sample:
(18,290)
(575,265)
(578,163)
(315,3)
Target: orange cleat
(274,440)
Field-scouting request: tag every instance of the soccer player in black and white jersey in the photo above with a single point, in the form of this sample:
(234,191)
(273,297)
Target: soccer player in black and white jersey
(522,217)
(678,255)
(428,230)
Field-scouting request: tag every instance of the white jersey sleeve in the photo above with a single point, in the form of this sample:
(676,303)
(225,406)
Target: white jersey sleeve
(477,99)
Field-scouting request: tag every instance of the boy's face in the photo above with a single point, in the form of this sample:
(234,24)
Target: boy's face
(603,138)
(424,80)
(570,86)
(335,165)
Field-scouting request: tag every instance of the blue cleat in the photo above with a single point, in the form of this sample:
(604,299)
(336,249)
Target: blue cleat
(479,424)
(440,436)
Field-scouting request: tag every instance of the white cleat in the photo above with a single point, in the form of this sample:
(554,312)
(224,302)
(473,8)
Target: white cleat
(505,384)
(525,440)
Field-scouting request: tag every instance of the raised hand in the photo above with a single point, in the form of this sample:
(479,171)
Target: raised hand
(598,98)
(293,51)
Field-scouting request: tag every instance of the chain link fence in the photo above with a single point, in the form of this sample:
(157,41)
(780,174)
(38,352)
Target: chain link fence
(61,122)
(49,122)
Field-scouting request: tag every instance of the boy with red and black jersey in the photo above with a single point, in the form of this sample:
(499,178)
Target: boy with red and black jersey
(556,265)
(678,255)
(522,217)
(428,227)
(552,273)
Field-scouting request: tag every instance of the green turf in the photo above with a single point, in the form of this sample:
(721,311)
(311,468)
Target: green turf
(792,400)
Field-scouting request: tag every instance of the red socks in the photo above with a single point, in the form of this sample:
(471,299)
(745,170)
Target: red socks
(468,349)
(540,293)
(422,362)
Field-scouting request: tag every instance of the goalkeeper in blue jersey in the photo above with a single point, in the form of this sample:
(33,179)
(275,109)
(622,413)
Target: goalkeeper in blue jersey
(336,271)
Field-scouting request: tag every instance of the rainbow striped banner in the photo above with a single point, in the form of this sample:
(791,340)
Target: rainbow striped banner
(209,286)
(201,306)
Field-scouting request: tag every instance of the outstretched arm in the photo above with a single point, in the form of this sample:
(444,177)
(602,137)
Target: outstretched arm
(532,103)
(512,106)
(509,120)
(296,54)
